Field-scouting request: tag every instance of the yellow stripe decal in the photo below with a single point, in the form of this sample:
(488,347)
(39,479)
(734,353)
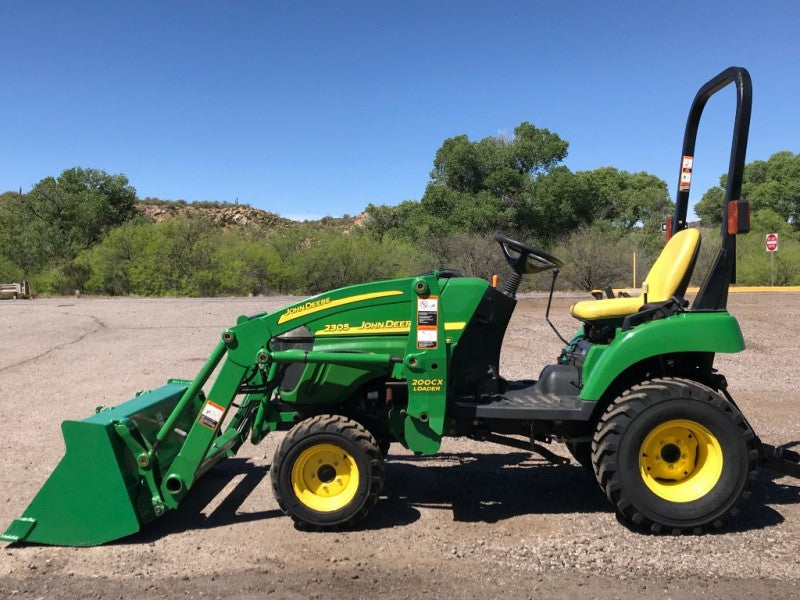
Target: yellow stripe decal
(313,306)
(346,329)
(364,330)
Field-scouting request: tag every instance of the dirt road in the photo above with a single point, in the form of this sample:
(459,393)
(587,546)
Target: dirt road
(475,521)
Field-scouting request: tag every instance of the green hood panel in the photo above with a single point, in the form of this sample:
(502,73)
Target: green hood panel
(684,332)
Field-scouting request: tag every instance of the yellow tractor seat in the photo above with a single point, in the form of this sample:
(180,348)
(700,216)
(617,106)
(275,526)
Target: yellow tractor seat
(668,277)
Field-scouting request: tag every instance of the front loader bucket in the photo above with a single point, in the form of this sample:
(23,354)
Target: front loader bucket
(96,493)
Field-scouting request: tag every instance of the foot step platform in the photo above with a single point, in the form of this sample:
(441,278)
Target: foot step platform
(524,400)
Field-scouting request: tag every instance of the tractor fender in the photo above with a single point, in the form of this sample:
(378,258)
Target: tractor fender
(714,332)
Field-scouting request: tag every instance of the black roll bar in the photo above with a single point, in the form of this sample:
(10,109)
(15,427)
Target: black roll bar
(713,293)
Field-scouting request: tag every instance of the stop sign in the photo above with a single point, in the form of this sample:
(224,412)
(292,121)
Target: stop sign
(772,242)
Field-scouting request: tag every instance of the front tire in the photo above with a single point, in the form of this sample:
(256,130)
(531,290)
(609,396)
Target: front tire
(674,455)
(327,472)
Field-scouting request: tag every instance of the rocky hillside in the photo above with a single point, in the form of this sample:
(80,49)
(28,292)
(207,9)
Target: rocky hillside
(220,213)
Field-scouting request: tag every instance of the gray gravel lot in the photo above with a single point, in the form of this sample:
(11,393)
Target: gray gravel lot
(477,519)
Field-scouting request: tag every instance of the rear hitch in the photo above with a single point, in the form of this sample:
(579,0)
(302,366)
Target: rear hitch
(780,459)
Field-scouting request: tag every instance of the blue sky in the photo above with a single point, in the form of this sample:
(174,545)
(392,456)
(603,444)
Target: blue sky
(314,108)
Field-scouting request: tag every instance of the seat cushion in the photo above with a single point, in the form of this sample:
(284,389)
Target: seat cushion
(668,276)
(589,310)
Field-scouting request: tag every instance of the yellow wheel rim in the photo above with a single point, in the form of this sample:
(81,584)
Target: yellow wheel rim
(680,460)
(325,477)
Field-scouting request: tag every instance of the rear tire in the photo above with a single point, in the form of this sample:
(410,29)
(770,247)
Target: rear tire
(327,472)
(674,455)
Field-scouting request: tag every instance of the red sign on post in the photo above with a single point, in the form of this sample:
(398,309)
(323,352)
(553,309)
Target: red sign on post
(772,242)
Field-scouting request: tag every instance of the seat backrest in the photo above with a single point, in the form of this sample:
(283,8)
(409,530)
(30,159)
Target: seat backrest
(669,276)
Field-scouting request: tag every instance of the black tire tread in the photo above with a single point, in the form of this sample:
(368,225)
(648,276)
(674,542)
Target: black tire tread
(334,424)
(624,409)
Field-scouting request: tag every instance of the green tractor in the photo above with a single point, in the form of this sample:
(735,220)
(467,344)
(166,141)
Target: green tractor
(634,394)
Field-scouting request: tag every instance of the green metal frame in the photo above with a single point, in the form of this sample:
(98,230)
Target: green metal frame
(684,332)
(143,456)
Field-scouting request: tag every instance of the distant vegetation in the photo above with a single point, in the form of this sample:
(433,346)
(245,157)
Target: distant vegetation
(197,203)
(86,230)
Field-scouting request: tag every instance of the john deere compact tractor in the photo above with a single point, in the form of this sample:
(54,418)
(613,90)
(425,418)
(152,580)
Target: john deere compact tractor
(634,393)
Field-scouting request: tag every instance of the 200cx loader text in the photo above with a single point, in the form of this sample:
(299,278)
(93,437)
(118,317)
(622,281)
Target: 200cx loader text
(634,393)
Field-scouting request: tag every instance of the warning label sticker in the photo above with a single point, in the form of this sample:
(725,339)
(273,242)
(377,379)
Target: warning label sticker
(686,173)
(427,311)
(211,415)
(426,338)
(427,323)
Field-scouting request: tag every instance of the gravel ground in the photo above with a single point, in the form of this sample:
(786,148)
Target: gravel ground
(474,520)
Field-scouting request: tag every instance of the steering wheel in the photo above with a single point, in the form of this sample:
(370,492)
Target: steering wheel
(526,259)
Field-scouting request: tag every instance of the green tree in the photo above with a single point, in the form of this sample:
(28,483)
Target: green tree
(187,256)
(402,220)
(61,216)
(490,177)
(516,185)
(444,209)
(629,199)
(709,209)
(500,165)
(557,203)
(772,184)
(9,272)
